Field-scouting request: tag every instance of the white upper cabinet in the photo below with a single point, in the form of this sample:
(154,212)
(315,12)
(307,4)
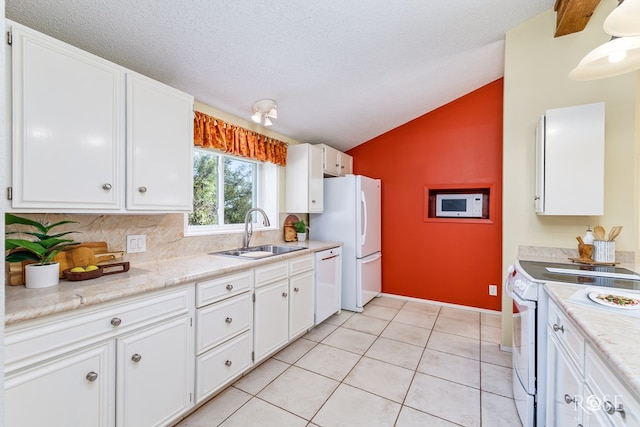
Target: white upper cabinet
(570,161)
(67,126)
(304,185)
(84,141)
(334,162)
(159,146)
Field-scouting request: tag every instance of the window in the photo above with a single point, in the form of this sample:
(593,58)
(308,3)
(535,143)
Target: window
(225,188)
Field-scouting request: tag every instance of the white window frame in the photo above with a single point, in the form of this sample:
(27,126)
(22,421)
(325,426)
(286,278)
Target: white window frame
(267,186)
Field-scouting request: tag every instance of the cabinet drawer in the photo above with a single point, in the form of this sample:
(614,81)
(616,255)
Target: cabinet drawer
(219,322)
(567,334)
(222,287)
(300,264)
(217,367)
(31,341)
(270,273)
(611,393)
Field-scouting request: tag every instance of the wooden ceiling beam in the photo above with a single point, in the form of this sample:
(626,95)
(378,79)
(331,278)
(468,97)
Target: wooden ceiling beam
(572,15)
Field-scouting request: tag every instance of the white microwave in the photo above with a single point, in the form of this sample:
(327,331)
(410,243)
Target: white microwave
(459,205)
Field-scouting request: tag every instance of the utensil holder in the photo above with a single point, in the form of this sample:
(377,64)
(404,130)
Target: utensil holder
(604,251)
(585,251)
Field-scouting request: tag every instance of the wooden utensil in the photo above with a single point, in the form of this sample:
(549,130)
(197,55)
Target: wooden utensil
(598,232)
(614,232)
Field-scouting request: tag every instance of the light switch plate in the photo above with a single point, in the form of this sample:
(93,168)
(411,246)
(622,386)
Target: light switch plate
(493,290)
(136,243)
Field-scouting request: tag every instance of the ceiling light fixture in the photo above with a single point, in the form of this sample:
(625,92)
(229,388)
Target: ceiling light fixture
(624,21)
(264,110)
(619,55)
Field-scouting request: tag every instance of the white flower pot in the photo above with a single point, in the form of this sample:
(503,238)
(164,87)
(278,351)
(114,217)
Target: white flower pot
(41,276)
(302,237)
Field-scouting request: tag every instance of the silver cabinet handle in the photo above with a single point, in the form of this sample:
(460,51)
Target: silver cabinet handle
(136,358)
(92,376)
(557,328)
(284,294)
(228,320)
(568,399)
(142,189)
(611,409)
(313,201)
(296,289)
(116,321)
(229,287)
(228,363)
(107,186)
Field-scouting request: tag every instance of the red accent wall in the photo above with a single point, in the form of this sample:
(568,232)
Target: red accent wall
(457,145)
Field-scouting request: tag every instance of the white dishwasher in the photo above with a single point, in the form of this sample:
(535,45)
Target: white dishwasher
(328,283)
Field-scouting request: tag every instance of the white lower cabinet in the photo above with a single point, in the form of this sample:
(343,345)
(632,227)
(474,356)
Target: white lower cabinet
(155,374)
(564,387)
(301,303)
(74,390)
(103,366)
(271,318)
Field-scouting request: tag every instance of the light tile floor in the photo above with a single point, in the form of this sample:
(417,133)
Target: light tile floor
(399,363)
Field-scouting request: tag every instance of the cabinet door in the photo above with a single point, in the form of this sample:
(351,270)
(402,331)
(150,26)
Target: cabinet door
(67,118)
(346,164)
(271,318)
(331,160)
(155,374)
(159,146)
(75,390)
(301,303)
(565,397)
(316,184)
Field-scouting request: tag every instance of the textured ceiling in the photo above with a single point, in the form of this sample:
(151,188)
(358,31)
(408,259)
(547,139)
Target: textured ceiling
(342,72)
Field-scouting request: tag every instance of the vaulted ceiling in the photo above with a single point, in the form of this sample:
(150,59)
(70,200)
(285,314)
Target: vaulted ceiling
(342,72)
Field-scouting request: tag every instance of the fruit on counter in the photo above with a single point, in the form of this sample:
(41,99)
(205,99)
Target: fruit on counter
(77,270)
(91,268)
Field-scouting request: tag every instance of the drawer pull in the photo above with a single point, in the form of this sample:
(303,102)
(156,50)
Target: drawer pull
(136,358)
(296,289)
(611,409)
(284,294)
(92,376)
(229,287)
(228,320)
(557,328)
(568,399)
(228,363)
(107,186)
(142,189)
(116,321)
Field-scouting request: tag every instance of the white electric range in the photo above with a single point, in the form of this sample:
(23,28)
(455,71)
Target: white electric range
(530,308)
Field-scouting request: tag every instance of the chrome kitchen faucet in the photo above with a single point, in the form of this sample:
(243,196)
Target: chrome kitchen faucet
(248,228)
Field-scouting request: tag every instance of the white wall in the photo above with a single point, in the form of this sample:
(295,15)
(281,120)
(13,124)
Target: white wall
(536,68)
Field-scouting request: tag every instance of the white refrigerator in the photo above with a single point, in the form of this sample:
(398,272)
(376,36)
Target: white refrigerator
(351,215)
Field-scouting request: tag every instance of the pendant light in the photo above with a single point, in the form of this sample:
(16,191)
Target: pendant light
(624,21)
(264,110)
(619,55)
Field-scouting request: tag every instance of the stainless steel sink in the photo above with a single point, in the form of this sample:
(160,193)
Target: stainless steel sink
(258,252)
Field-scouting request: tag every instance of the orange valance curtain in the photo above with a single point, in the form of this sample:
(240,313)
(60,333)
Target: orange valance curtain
(209,132)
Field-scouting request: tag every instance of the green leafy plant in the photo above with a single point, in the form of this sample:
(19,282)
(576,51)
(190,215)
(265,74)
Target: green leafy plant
(41,250)
(300,226)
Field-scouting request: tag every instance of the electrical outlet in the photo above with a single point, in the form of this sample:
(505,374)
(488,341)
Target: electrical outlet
(493,290)
(136,243)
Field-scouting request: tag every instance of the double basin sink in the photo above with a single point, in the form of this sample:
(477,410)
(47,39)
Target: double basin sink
(258,252)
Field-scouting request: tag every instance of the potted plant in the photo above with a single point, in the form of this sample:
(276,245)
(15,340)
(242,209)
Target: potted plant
(301,228)
(44,272)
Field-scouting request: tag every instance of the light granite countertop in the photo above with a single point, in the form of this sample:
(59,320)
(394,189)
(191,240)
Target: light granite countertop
(615,336)
(24,304)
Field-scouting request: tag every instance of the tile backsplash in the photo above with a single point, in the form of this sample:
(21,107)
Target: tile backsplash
(165,234)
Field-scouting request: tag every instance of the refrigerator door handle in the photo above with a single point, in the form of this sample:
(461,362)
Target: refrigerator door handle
(373,258)
(364,216)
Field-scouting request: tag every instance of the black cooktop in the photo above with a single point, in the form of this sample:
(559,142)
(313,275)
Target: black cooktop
(538,270)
